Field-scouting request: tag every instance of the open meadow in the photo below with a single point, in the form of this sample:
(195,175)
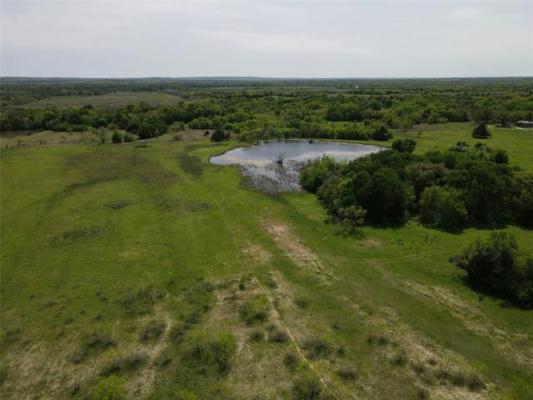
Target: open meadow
(140,267)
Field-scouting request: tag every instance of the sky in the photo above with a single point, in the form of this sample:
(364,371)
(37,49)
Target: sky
(278,38)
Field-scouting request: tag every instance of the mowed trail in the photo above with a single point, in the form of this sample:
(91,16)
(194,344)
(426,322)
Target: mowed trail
(290,244)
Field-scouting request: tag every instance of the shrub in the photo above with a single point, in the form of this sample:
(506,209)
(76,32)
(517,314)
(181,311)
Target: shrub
(117,137)
(382,134)
(481,132)
(307,388)
(153,330)
(177,331)
(495,265)
(301,302)
(291,360)
(255,310)
(278,336)
(219,135)
(399,359)
(94,342)
(124,363)
(318,348)
(347,374)
(443,208)
(211,351)
(257,336)
(404,145)
(110,388)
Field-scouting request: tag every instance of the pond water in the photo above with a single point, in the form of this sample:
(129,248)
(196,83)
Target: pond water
(274,166)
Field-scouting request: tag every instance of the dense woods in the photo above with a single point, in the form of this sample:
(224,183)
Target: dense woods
(464,186)
(261,109)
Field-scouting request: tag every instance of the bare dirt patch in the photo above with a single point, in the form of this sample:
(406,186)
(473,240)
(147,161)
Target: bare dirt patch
(257,252)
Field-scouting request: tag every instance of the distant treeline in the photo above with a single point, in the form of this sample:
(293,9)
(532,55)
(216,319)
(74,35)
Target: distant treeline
(259,109)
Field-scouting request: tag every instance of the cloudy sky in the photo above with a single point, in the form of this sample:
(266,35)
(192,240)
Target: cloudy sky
(270,38)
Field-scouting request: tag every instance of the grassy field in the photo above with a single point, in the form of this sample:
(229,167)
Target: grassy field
(141,267)
(106,100)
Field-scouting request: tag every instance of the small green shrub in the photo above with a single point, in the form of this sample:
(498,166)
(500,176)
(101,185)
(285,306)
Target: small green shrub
(307,388)
(278,336)
(422,394)
(110,388)
(380,340)
(93,343)
(255,310)
(153,330)
(211,351)
(399,359)
(177,331)
(163,359)
(347,374)
(318,348)
(257,336)
(124,363)
(291,360)
(301,302)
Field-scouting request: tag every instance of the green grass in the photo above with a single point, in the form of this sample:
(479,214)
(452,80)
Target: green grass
(75,267)
(105,100)
(518,142)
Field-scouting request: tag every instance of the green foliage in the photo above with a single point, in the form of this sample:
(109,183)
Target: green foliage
(443,208)
(465,186)
(404,145)
(381,133)
(481,132)
(308,387)
(495,265)
(110,388)
(316,173)
(211,351)
(117,137)
(153,329)
(255,310)
(219,135)
(93,343)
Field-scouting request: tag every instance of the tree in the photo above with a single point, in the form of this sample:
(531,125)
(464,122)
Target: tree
(443,208)
(219,135)
(381,133)
(146,130)
(117,137)
(404,145)
(481,132)
(495,265)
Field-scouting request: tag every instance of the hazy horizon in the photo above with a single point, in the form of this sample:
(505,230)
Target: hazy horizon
(282,39)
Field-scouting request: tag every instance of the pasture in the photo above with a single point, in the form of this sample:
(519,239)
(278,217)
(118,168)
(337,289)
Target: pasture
(142,268)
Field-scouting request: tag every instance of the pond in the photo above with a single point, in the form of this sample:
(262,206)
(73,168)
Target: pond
(274,166)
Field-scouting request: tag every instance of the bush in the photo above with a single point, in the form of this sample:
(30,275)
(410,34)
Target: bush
(219,135)
(291,360)
(211,351)
(124,363)
(443,208)
(278,336)
(318,348)
(496,265)
(117,137)
(307,388)
(153,330)
(481,132)
(382,134)
(110,388)
(257,336)
(93,343)
(255,310)
(347,374)
(404,145)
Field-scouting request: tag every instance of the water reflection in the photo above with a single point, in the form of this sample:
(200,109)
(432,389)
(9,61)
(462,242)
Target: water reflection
(274,166)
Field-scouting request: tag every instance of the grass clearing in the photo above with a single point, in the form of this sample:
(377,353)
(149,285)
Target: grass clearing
(192,247)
